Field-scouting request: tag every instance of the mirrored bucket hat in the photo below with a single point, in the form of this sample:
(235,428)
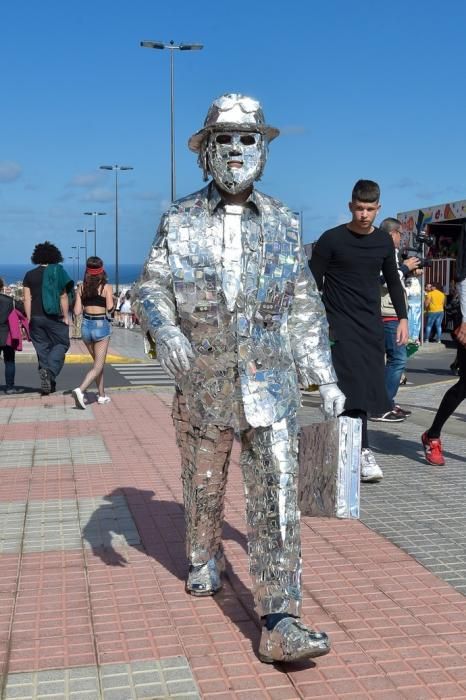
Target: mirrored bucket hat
(233,112)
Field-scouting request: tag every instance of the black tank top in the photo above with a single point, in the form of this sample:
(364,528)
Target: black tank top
(96,300)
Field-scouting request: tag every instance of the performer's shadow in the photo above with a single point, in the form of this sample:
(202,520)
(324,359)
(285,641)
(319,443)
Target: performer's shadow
(160,533)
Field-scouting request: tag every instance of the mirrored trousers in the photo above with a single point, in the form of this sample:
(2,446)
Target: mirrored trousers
(269,463)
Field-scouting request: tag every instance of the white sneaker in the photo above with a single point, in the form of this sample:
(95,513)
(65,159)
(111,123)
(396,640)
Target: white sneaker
(103,399)
(78,397)
(370,470)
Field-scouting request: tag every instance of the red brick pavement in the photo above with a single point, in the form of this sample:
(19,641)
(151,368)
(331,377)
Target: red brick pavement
(397,630)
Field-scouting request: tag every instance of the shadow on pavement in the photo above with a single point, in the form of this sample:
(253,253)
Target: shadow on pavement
(20,389)
(161,529)
(441,372)
(393,444)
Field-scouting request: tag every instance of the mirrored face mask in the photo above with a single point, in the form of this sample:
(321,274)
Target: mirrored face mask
(236,159)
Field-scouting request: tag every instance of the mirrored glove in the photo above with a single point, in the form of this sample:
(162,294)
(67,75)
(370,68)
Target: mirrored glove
(173,351)
(333,400)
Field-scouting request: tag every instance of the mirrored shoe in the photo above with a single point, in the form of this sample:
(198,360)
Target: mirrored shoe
(370,470)
(290,640)
(205,580)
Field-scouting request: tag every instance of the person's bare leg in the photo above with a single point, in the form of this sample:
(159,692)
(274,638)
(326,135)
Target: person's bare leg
(99,353)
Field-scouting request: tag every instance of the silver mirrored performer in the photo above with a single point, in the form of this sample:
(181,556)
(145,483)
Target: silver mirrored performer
(227,296)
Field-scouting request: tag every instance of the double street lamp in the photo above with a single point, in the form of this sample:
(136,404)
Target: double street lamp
(95,214)
(85,231)
(116,168)
(172,47)
(77,248)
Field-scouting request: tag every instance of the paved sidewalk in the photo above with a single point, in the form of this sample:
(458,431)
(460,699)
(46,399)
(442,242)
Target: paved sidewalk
(125,346)
(92,600)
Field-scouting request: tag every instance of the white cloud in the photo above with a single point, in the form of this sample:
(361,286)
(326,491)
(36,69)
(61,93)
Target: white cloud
(405,183)
(85,180)
(146,196)
(99,194)
(9,171)
(13,211)
(293,130)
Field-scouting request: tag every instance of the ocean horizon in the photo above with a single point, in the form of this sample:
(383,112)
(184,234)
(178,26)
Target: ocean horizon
(128,272)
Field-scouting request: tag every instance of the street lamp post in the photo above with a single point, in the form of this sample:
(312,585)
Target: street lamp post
(73,258)
(77,248)
(85,231)
(95,214)
(172,47)
(116,168)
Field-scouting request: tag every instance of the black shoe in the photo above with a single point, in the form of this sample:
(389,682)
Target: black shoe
(389,417)
(45,381)
(53,386)
(402,412)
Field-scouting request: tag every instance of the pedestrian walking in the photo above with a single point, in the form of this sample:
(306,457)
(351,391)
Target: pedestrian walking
(346,263)
(395,353)
(227,297)
(94,300)
(118,315)
(126,313)
(7,346)
(47,293)
(431,439)
(434,305)
(415,305)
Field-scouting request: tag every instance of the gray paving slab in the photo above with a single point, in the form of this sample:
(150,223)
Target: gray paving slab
(12,516)
(5,415)
(140,679)
(52,525)
(43,413)
(63,524)
(89,449)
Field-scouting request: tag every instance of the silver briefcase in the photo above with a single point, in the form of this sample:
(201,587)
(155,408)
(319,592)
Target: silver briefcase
(329,468)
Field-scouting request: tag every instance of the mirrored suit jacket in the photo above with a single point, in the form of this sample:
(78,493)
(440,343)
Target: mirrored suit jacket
(248,362)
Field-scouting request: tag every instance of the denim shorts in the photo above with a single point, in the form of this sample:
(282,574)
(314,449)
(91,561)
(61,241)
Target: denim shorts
(95,329)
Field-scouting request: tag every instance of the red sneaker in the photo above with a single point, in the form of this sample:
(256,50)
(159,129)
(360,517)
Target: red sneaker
(433,450)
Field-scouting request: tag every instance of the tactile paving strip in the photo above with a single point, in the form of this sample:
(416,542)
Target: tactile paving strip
(53,451)
(59,524)
(167,678)
(44,414)
(52,525)
(11,526)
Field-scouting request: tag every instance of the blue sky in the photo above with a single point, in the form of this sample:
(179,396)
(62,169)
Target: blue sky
(367,89)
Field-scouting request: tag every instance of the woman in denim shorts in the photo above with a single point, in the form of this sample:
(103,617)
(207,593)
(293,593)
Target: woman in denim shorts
(94,299)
